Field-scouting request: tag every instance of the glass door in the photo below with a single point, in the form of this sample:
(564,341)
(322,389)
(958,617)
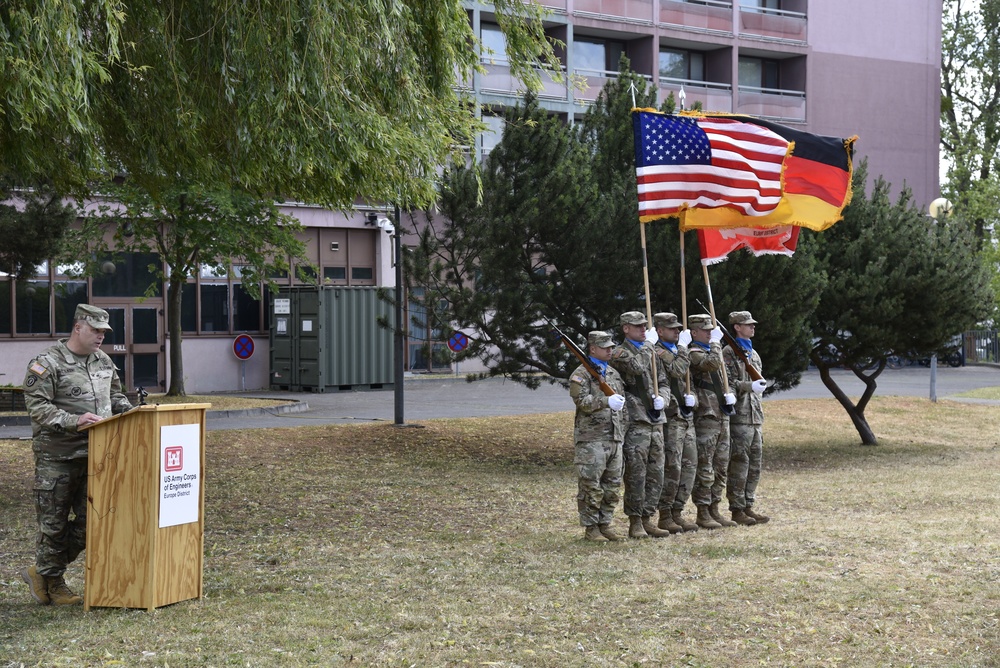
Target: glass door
(135,344)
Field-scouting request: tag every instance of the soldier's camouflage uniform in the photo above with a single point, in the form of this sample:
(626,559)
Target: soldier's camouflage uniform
(598,433)
(746,432)
(679,443)
(711,426)
(59,387)
(643,447)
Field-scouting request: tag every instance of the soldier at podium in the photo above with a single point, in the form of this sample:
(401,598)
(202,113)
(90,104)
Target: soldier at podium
(67,386)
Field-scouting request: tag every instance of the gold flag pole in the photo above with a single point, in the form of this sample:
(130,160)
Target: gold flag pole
(684,304)
(711,308)
(649,308)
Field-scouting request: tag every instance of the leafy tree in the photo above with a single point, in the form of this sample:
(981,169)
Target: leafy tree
(32,229)
(188,228)
(526,252)
(970,109)
(313,101)
(899,282)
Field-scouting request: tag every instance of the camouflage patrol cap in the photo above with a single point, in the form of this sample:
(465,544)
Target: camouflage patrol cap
(93,316)
(632,318)
(600,339)
(741,318)
(668,320)
(700,321)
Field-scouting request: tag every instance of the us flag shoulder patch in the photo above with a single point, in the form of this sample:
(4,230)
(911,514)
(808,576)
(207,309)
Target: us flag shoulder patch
(37,369)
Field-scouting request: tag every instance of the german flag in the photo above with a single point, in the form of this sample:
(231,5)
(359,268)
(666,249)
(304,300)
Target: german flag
(815,183)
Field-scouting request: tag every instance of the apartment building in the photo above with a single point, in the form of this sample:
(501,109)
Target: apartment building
(829,67)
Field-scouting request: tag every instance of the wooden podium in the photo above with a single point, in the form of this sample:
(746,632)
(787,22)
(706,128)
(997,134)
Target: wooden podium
(146,507)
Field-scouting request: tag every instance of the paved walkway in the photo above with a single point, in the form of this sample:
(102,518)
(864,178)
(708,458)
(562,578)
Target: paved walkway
(428,397)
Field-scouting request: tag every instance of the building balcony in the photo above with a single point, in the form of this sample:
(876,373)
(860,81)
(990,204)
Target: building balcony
(701,16)
(557,6)
(775,24)
(712,96)
(772,103)
(498,80)
(626,11)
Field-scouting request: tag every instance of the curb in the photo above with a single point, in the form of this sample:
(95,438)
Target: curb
(296,407)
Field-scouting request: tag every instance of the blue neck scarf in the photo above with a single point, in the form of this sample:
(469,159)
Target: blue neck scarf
(637,344)
(672,347)
(703,346)
(745,344)
(601,365)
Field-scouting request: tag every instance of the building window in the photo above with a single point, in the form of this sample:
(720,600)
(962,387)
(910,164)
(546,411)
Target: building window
(362,274)
(4,303)
(246,310)
(32,305)
(127,275)
(494,44)
(214,307)
(597,56)
(760,5)
(493,133)
(759,73)
(334,274)
(682,64)
(189,307)
(68,295)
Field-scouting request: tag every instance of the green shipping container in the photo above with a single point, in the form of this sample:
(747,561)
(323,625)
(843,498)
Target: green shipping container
(327,339)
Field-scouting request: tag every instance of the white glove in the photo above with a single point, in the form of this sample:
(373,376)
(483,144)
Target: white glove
(651,336)
(657,403)
(759,386)
(616,402)
(685,338)
(730,398)
(689,401)
(716,335)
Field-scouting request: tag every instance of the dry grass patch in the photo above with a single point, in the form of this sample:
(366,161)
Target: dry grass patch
(457,544)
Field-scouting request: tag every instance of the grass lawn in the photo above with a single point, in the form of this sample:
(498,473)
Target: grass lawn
(457,544)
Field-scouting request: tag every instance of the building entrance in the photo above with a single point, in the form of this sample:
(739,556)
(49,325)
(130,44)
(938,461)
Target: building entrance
(136,344)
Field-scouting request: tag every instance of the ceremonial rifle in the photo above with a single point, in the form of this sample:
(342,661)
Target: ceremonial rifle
(584,359)
(737,349)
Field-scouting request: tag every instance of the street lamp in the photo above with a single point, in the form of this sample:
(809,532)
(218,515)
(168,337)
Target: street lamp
(937,209)
(393,230)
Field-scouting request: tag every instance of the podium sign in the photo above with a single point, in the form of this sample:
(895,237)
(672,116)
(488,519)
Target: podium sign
(146,508)
(180,464)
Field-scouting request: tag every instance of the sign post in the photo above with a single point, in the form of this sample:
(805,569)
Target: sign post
(243,348)
(457,343)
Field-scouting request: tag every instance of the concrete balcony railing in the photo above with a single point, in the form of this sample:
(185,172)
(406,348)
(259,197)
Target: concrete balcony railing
(712,96)
(706,15)
(772,103)
(498,80)
(773,24)
(629,11)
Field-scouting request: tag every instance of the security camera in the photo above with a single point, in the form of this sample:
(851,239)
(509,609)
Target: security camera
(388,227)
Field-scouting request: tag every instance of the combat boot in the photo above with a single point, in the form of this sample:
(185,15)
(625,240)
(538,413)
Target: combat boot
(593,533)
(684,524)
(713,510)
(705,520)
(609,533)
(60,593)
(740,517)
(635,529)
(653,530)
(760,519)
(37,584)
(667,522)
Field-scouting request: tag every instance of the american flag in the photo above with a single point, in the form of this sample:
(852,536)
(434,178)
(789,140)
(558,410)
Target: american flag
(683,162)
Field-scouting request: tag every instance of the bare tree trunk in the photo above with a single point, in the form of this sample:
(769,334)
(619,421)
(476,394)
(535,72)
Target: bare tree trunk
(855,412)
(174,293)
